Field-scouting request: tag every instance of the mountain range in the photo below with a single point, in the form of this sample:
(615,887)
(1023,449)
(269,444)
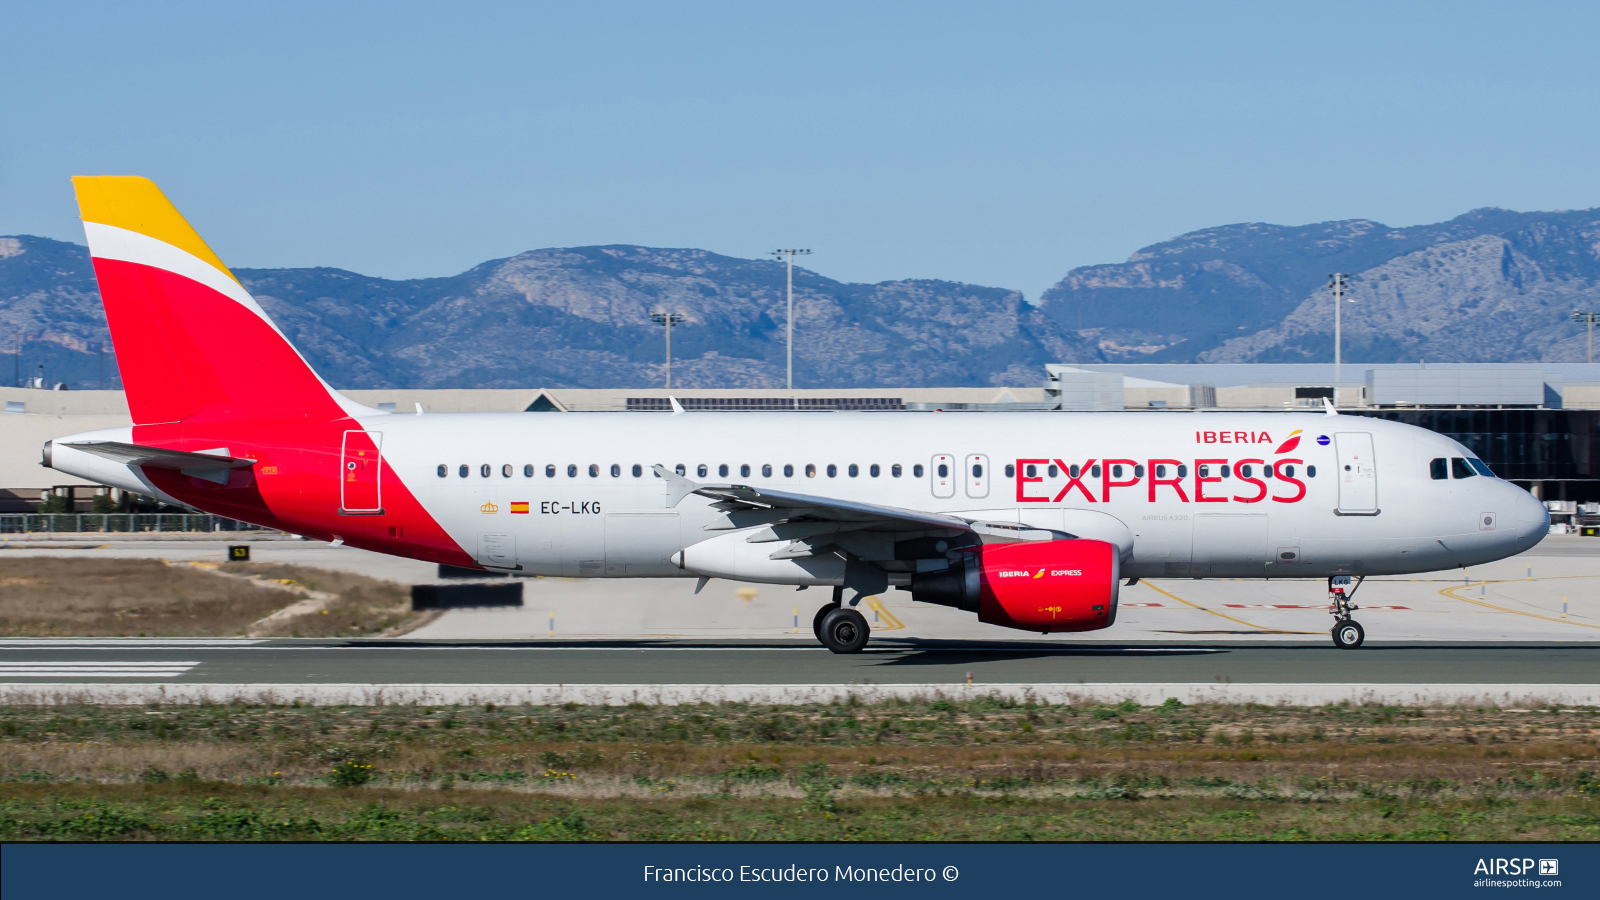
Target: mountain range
(1491,285)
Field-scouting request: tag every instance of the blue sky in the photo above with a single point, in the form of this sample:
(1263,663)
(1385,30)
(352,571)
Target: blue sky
(994,143)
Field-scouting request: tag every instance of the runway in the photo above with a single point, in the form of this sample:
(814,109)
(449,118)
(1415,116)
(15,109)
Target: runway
(785,662)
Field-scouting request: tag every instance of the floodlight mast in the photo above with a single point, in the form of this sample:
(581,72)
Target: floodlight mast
(669,320)
(1589,318)
(788,256)
(1338,283)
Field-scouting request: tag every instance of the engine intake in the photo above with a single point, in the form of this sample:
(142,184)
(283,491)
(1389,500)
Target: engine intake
(1044,586)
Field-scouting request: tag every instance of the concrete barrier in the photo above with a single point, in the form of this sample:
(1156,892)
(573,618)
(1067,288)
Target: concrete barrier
(464,596)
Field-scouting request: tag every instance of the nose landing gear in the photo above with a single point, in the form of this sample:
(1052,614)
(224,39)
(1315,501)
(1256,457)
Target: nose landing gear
(1347,632)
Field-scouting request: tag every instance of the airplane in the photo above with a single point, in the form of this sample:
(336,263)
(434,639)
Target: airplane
(1030,520)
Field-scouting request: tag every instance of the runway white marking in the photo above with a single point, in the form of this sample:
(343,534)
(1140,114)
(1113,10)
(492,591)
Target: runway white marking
(95,668)
(128,643)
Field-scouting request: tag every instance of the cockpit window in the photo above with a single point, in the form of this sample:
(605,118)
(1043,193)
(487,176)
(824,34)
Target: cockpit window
(1460,469)
(1481,466)
(1439,468)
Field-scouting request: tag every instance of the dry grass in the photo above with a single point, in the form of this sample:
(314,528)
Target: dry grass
(54,597)
(737,772)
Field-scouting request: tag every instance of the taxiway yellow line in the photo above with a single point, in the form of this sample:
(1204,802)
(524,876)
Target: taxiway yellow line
(1450,592)
(883,611)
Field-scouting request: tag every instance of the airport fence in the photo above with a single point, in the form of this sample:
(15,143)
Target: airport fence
(83,523)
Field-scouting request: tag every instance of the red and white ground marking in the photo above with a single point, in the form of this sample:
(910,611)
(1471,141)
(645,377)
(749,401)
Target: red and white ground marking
(1294,606)
(1141,605)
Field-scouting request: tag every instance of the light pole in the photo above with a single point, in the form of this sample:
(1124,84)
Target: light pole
(1588,317)
(789,256)
(1338,283)
(669,320)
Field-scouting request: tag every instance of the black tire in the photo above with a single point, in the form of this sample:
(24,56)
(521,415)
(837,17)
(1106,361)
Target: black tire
(816,620)
(1348,634)
(844,631)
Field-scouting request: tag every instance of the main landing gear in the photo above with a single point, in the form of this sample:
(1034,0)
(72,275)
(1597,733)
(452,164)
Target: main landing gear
(840,629)
(1347,632)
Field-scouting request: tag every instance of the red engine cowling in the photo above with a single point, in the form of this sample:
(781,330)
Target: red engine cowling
(1044,586)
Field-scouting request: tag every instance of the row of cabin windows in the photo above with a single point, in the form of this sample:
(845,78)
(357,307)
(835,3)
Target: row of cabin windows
(1117,471)
(1457,467)
(702,471)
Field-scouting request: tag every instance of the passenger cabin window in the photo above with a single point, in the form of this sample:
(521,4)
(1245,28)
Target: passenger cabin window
(679,468)
(744,471)
(1288,471)
(638,470)
(484,470)
(1031,470)
(833,471)
(944,471)
(977,470)
(505,470)
(1138,471)
(894,470)
(1439,469)
(916,471)
(464,470)
(811,470)
(722,471)
(873,470)
(1116,472)
(1183,471)
(1458,468)
(788,470)
(616,471)
(444,471)
(1244,471)
(1072,470)
(1311,471)
(701,470)
(550,470)
(527,471)
(1161,471)
(1095,471)
(572,471)
(854,470)
(766,470)
(1011,470)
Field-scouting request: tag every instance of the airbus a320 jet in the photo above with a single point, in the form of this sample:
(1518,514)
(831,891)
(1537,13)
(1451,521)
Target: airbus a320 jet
(1030,520)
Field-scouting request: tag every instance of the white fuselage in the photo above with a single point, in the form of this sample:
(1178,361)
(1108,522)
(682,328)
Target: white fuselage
(586,521)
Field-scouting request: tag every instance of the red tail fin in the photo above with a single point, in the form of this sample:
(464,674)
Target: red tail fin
(191,342)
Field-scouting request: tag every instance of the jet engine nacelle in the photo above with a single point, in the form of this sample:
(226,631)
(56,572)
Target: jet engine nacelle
(1042,586)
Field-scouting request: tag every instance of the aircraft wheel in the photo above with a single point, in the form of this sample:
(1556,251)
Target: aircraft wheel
(1348,634)
(844,631)
(816,620)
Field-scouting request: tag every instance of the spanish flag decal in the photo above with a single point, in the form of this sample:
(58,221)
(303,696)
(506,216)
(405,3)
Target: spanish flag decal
(519,508)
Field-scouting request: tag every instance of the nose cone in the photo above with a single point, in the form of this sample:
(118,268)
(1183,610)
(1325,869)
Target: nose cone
(1526,518)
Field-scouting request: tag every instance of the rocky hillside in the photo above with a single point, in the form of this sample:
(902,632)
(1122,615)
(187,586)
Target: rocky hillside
(577,317)
(1491,285)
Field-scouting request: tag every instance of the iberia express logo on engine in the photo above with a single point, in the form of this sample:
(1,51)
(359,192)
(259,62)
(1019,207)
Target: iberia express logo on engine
(1225,479)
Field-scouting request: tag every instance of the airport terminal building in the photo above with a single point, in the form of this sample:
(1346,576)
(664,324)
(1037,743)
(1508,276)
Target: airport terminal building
(1536,424)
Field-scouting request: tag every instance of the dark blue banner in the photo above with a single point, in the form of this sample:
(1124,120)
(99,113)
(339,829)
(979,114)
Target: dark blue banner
(346,871)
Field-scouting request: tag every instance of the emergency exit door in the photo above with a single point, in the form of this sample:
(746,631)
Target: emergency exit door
(1358,474)
(360,474)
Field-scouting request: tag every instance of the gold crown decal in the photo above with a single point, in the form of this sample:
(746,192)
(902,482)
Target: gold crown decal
(489,508)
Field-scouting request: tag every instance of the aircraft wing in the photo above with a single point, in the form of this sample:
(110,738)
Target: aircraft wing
(783,504)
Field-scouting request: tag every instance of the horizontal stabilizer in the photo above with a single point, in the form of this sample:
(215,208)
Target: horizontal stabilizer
(212,465)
